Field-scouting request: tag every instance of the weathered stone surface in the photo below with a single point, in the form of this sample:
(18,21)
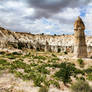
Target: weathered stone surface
(80,47)
(43,42)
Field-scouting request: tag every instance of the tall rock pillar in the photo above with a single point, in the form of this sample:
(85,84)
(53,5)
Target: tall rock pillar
(80,47)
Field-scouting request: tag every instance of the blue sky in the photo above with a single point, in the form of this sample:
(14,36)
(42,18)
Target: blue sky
(45,16)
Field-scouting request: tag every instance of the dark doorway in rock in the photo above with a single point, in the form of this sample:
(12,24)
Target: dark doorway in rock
(31,47)
(37,49)
(59,50)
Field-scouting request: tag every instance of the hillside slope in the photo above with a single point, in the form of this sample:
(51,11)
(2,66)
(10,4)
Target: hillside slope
(38,41)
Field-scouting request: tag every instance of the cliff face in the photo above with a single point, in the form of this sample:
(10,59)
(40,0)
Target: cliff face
(39,42)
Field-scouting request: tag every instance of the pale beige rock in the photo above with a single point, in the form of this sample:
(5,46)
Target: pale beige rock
(80,47)
(10,39)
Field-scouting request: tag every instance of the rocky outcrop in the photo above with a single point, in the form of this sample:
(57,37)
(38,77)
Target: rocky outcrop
(59,43)
(80,47)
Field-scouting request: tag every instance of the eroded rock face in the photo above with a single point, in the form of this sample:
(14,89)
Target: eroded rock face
(80,47)
(39,42)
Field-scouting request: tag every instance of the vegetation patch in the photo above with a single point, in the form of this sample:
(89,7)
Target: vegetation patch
(43,70)
(43,89)
(66,71)
(81,86)
(80,62)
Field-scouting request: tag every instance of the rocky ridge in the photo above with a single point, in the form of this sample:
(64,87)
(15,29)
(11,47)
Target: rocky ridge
(52,43)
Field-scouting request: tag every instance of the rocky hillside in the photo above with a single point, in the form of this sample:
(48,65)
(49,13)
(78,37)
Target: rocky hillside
(39,42)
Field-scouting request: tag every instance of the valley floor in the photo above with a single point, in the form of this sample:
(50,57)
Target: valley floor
(29,71)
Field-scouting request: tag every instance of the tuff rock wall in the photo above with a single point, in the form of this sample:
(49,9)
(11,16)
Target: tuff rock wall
(39,42)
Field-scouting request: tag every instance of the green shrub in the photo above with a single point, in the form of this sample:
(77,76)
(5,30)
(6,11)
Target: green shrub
(11,57)
(55,59)
(88,71)
(43,70)
(4,64)
(81,86)
(54,55)
(43,89)
(78,71)
(38,79)
(2,52)
(89,77)
(39,57)
(18,64)
(80,62)
(16,53)
(81,78)
(55,83)
(55,65)
(3,61)
(18,74)
(65,72)
(27,70)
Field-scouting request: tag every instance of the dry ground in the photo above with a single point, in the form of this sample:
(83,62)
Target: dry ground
(17,78)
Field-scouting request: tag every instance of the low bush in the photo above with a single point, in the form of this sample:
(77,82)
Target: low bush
(55,58)
(18,74)
(81,86)
(89,77)
(80,62)
(3,61)
(16,53)
(39,79)
(88,71)
(54,83)
(11,57)
(18,64)
(43,89)
(66,71)
(39,57)
(43,70)
(2,52)
(54,55)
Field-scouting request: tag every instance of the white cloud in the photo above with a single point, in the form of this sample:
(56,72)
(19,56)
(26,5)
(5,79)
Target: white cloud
(29,12)
(13,4)
(12,15)
(69,13)
(16,16)
(88,20)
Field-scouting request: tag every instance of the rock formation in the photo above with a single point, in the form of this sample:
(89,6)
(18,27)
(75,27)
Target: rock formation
(80,47)
(59,43)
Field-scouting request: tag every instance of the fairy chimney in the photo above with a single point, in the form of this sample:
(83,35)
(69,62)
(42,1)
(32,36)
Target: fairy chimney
(80,47)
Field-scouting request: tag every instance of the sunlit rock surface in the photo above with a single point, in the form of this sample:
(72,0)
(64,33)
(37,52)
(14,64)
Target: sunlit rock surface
(39,42)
